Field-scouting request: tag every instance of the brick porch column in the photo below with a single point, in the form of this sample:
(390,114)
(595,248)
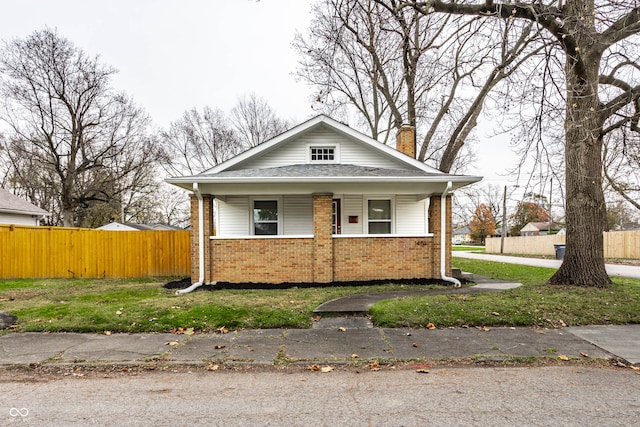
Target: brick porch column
(207,201)
(322,238)
(434,227)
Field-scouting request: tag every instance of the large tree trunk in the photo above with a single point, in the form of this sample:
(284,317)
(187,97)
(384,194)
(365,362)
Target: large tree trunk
(585,211)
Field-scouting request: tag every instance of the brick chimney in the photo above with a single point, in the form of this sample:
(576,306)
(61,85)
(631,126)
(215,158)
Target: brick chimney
(406,140)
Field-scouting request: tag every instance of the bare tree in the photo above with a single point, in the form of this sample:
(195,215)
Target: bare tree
(70,134)
(255,121)
(397,65)
(602,95)
(197,141)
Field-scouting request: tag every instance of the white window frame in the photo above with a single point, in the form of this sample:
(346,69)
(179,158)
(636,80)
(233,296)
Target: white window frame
(278,200)
(392,207)
(336,153)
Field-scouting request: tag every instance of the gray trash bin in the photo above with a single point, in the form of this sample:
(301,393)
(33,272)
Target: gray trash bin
(560,248)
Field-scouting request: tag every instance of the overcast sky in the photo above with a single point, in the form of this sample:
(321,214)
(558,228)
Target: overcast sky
(175,55)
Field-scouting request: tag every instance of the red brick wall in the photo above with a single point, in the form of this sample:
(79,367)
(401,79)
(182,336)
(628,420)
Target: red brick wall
(379,258)
(262,260)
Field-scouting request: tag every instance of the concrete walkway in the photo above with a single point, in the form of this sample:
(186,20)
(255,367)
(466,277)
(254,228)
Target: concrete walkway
(616,270)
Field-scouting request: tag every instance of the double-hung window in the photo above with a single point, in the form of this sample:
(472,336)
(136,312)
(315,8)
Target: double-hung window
(379,216)
(265,217)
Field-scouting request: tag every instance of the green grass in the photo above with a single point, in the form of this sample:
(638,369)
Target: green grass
(533,304)
(99,305)
(467,248)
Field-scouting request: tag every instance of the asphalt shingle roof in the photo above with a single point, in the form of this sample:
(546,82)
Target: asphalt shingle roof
(12,203)
(325,170)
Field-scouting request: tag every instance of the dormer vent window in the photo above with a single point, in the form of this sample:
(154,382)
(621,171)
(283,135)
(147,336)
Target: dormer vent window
(323,154)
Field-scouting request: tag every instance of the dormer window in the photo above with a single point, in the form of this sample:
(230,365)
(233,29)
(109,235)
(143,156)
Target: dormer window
(323,154)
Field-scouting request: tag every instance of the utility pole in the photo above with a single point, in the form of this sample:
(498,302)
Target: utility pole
(504,220)
(550,205)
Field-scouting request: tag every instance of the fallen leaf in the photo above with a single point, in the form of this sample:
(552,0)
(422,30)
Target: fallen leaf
(483,328)
(223,330)
(583,354)
(212,367)
(354,356)
(180,331)
(421,365)
(218,347)
(326,369)
(431,326)
(118,312)
(563,357)
(495,313)
(342,329)
(422,371)
(172,343)
(314,368)
(415,344)
(188,331)
(374,366)
(107,333)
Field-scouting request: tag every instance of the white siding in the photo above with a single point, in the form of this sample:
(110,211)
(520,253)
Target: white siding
(297,215)
(352,206)
(295,152)
(7,218)
(234,216)
(411,216)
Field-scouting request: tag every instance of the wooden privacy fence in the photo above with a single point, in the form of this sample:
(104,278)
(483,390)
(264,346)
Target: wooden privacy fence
(58,252)
(617,244)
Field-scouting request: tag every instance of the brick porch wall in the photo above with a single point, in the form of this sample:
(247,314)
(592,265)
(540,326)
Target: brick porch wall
(379,258)
(262,260)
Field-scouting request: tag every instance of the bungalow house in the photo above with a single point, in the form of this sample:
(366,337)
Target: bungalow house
(14,210)
(321,203)
(536,229)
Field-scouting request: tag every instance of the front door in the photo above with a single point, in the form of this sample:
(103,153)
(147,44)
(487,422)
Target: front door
(336,216)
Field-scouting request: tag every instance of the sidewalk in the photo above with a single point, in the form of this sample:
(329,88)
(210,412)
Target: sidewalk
(332,340)
(630,271)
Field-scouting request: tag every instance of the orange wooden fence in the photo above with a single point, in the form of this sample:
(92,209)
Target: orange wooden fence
(50,252)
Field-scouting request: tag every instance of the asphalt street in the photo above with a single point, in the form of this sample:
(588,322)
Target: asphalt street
(533,396)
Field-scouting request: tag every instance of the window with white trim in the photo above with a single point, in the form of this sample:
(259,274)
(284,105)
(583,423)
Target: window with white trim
(379,216)
(265,217)
(323,154)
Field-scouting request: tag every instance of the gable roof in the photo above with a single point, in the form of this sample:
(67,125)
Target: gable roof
(10,203)
(314,123)
(237,170)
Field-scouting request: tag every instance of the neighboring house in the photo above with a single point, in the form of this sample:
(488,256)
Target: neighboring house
(461,235)
(14,210)
(127,226)
(321,203)
(536,229)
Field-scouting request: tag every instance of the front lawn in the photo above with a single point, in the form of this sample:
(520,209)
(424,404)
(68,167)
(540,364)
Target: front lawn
(533,304)
(98,305)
